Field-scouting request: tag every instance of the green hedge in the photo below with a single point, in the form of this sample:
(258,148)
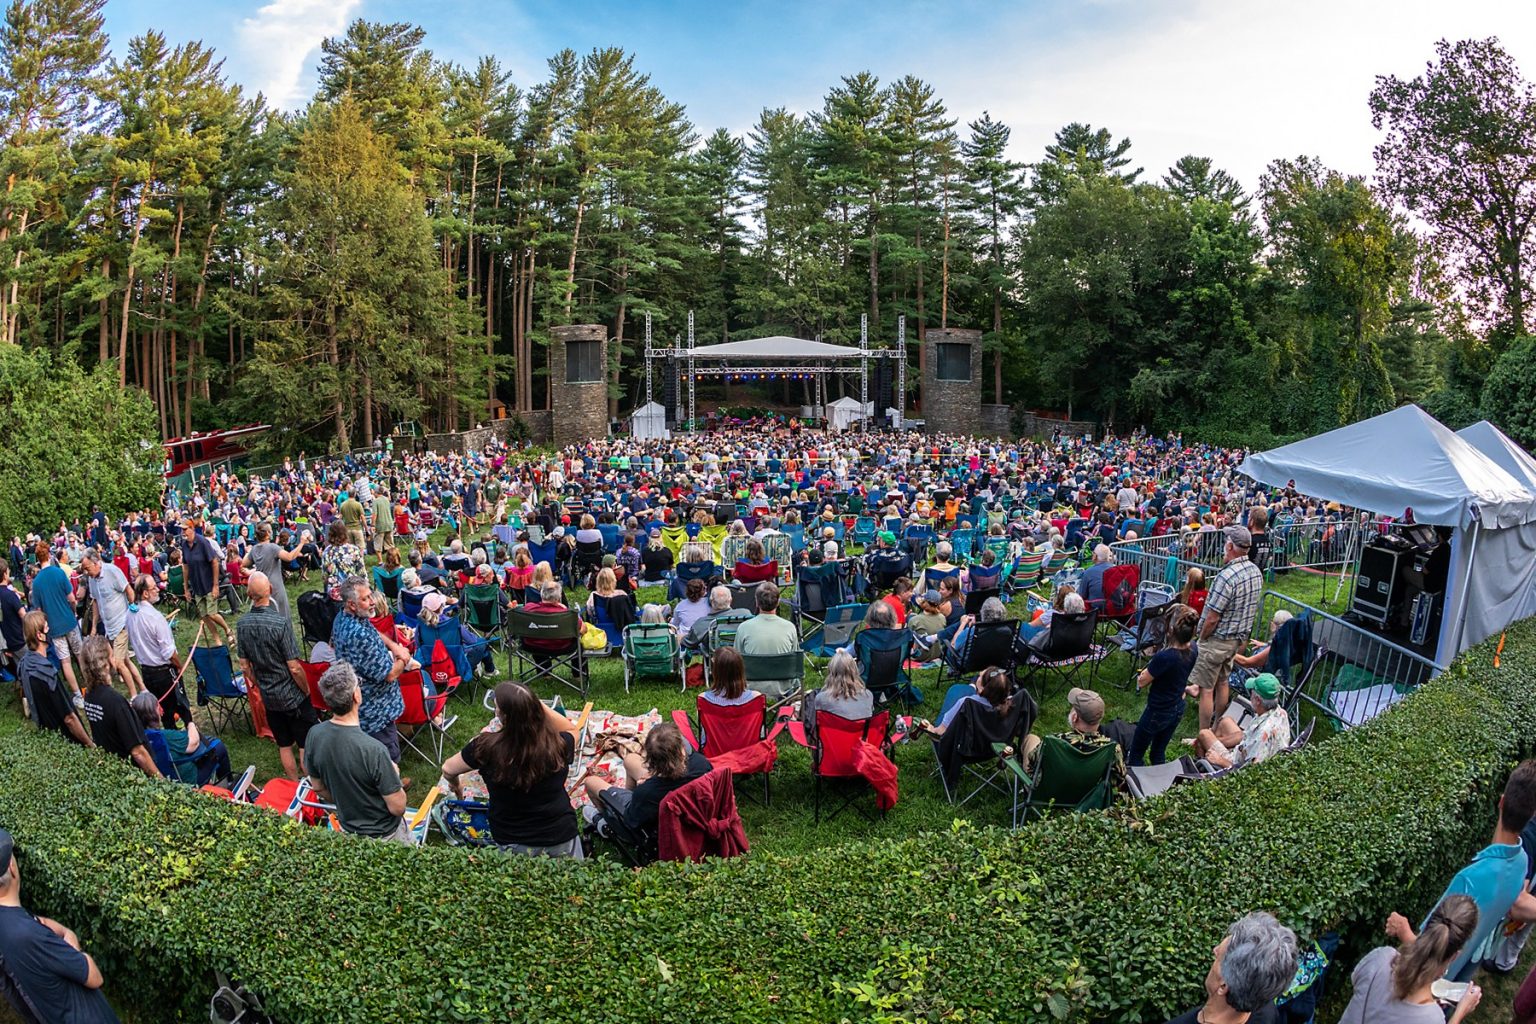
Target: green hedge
(1093,917)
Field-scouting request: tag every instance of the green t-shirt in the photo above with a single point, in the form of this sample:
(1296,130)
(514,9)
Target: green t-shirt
(356,769)
(352,513)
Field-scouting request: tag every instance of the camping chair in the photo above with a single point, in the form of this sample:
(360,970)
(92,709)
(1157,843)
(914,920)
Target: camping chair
(651,649)
(882,656)
(1026,571)
(176,584)
(777,548)
(972,739)
(987,645)
(219,687)
(1063,777)
(410,609)
(587,560)
(313,670)
(976,598)
(864,531)
(685,571)
(715,536)
(464,822)
(673,538)
(796,534)
(483,613)
(612,622)
(547,551)
(832,749)
(416,721)
(722,633)
(1121,586)
(317,613)
(733,550)
(727,729)
(918,540)
(612,537)
(788,669)
(1070,646)
(963,543)
(819,588)
(835,631)
(563,627)
(387,582)
(446,631)
(211,762)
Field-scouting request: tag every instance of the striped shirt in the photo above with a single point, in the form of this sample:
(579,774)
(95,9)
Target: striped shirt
(1235,597)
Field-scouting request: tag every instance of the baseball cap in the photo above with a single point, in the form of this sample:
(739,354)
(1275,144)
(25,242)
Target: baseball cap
(434,603)
(1088,705)
(1266,685)
(7,847)
(1239,536)
(887,537)
(931,596)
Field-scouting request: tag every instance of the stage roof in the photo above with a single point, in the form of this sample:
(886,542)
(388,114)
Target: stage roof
(778,347)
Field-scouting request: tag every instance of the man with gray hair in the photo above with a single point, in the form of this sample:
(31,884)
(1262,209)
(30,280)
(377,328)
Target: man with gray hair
(377,660)
(43,971)
(351,769)
(1226,623)
(110,597)
(1250,968)
(1092,584)
(697,640)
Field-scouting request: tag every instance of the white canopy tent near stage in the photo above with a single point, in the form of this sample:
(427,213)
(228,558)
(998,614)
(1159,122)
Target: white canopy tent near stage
(1406,459)
(649,423)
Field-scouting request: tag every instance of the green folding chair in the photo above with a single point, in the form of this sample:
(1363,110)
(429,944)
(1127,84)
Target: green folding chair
(651,649)
(1064,778)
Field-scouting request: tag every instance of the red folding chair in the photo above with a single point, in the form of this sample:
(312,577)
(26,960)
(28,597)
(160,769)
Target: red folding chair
(734,736)
(420,711)
(313,670)
(832,750)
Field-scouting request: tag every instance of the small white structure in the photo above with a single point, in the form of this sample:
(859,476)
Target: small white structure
(649,423)
(847,412)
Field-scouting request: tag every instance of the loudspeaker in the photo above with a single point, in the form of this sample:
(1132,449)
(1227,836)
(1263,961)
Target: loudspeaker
(669,388)
(1377,590)
(883,385)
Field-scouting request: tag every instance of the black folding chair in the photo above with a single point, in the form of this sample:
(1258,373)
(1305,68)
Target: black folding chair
(535,663)
(987,645)
(969,746)
(1069,646)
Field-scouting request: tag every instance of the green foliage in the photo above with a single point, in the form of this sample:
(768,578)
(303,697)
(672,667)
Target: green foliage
(72,441)
(1086,917)
(1509,397)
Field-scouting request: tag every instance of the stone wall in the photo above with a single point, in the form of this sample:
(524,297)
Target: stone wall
(1031,425)
(469,440)
(580,410)
(995,421)
(951,406)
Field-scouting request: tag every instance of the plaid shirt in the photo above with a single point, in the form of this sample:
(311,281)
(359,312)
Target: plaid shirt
(1235,597)
(360,645)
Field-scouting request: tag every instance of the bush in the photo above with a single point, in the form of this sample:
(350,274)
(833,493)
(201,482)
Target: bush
(1091,917)
(1509,395)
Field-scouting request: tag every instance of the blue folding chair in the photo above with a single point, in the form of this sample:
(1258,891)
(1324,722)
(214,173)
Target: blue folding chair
(883,655)
(219,687)
(686,571)
(963,544)
(612,535)
(602,617)
(864,530)
(796,534)
(835,631)
(447,631)
(209,763)
(543,551)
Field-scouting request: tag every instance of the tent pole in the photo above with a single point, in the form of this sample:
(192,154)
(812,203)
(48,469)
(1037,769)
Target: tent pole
(1466,582)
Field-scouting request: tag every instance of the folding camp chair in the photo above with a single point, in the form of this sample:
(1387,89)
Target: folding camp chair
(818,589)
(777,548)
(715,536)
(732,550)
(1063,777)
(987,645)
(651,649)
(547,551)
(219,687)
(1026,571)
(835,631)
(726,729)
(586,561)
(416,721)
(447,633)
(796,534)
(410,609)
(685,571)
(883,655)
(607,619)
(554,628)
(317,612)
(673,538)
(976,598)
(209,764)
(387,582)
(483,613)
(464,822)
(1121,583)
(1069,647)
(972,739)
(786,669)
(722,633)
(832,745)
(864,531)
(313,670)
(918,540)
(962,543)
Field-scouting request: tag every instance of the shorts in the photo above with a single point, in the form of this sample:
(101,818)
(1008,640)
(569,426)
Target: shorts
(292,727)
(355,536)
(1214,661)
(67,645)
(390,737)
(120,645)
(1218,749)
(200,606)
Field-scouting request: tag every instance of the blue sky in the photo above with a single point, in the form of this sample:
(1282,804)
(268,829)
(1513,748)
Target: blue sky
(1241,81)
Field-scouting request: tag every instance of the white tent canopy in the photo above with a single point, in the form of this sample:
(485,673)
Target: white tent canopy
(1399,460)
(847,411)
(1496,444)
(649,422)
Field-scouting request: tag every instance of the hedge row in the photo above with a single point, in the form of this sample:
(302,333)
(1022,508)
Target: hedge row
(1084,918)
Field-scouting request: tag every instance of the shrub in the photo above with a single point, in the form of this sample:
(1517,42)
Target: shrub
(1509,395)
(1090,917)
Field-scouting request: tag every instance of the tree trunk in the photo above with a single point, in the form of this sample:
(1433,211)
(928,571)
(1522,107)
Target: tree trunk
(138,229)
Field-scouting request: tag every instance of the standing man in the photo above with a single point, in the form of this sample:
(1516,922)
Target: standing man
(269,657)
(350,769)
(47,701)
(54,595)
(149,634)
(469,494)
(352,519)
(383,522)
(377,663)
(1227,623)
(43,970)
(201,559)
(110,596)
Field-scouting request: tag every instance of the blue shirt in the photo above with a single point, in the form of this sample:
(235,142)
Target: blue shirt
(49,971)
(55,598)
(360,645)
(1494,880)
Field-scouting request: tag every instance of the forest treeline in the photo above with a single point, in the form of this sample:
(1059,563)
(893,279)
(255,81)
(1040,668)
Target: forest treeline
(398,249)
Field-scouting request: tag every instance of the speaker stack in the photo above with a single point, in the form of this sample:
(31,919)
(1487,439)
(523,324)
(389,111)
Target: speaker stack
(1400,586)
(669,388)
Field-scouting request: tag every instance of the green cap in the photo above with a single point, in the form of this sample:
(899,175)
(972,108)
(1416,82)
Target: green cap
(1265,685)
(887,537)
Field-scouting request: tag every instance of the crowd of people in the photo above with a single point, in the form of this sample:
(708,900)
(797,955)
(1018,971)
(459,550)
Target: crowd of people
(86,634)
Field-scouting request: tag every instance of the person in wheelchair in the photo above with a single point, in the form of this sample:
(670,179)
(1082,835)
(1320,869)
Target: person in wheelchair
(631,811)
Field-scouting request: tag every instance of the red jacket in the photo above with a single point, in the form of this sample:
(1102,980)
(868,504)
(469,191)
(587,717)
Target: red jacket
(699,819)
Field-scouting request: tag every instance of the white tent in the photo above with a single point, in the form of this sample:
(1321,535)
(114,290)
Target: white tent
(846,411)
(1406,459)
(649,422)
(1496,444)
(1506,582)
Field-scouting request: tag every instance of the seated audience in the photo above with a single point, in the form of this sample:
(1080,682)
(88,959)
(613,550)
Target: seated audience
(47,698)
(524,764)
(186,745)
(842,693)
(1085,715)
(350,768)
(1267,732)
(1091,586)
(768,633)
(664,765)
(720,609)
(728,680)
(690,609)
(991,686)
(755,566)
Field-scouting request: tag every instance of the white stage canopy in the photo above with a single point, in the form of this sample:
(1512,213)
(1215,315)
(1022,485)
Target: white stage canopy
(777,347)
(649,422)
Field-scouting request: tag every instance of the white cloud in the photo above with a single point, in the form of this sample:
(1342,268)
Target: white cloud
(1241,81)
(276,44)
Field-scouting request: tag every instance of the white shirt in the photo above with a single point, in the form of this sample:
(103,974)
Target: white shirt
(150,635)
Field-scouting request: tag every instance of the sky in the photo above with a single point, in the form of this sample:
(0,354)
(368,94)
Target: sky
(1241,81)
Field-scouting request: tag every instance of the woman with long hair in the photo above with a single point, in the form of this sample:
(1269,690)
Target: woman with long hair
(992,687)
(755,566)
(842,693)
(1393,985)
(1164,679)
(728,680)
(524,765)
